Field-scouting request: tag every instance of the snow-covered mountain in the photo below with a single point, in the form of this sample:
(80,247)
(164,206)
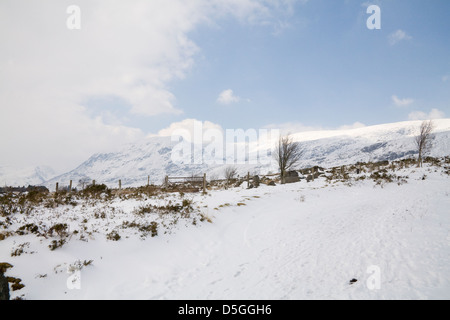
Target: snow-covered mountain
(154,156)
(13,176)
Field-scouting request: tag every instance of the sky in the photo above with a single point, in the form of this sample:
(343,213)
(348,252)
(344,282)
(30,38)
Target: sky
(80,80)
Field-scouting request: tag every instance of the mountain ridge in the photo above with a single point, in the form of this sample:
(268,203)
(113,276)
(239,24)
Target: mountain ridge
(153,157)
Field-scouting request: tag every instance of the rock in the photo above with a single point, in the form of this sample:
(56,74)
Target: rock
(4,287)
(292,174)
(291,177)
(309,178)
(256,181)
(271,183)
(353,281)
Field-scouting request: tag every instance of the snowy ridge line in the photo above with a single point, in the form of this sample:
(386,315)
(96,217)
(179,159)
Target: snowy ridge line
(152,157)
(325,148)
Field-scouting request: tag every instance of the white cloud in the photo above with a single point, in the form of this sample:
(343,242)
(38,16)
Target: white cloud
(445,78)
(356,125)
(398,36)
(131,50)
(292,127)
(419,115)
(296,127)
(189,125)
(402,102)
(228,97)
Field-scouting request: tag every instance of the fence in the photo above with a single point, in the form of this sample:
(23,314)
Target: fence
(191,183)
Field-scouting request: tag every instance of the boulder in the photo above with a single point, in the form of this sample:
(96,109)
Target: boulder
(292,174)
(291,177)
(4,287)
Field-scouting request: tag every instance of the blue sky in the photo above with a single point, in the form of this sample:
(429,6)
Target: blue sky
(323,69)
(77,84)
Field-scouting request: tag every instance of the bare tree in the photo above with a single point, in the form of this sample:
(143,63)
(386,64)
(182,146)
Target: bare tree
(230,173)
(423,140)
(287,153)
(84,182)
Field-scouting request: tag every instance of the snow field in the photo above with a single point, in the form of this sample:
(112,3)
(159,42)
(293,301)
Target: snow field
(296,241)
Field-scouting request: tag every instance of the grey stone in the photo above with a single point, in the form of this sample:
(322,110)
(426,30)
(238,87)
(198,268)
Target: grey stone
(4,287)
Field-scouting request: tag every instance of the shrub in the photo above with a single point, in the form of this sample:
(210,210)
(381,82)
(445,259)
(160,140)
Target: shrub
(151,228)
(4,266)
(142,210)
(55,244)
(9,205)
(36,196)
(205,218)
(60,229)
(113,236)
(20,249)
(187,204)
(95,190)
(16,283)
(30,228)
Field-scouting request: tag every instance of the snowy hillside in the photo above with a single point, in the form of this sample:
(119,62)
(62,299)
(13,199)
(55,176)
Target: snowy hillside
(381,234)
(325,148)
(25,176)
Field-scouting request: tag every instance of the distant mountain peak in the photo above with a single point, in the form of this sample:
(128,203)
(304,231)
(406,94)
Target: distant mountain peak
(153,156)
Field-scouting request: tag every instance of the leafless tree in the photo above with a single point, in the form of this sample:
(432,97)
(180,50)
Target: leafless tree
(423,140)
(287,154)
(84,182)
(230,173)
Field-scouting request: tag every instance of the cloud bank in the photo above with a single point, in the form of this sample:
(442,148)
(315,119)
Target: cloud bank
(126,50)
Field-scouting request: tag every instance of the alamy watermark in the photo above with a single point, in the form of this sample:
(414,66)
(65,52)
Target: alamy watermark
(74,280)
(374,21)
(214,146)
(73,22)
(374,280)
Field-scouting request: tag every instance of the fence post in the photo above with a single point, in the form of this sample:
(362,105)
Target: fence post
(204,183)
(57,187)
(93,182)
(148,181)
(248,179)
(120,184)
(166,181)
(313,172)
(70,186)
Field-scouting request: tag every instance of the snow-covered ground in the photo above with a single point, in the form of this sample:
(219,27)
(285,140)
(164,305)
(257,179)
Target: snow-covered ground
(295,241)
